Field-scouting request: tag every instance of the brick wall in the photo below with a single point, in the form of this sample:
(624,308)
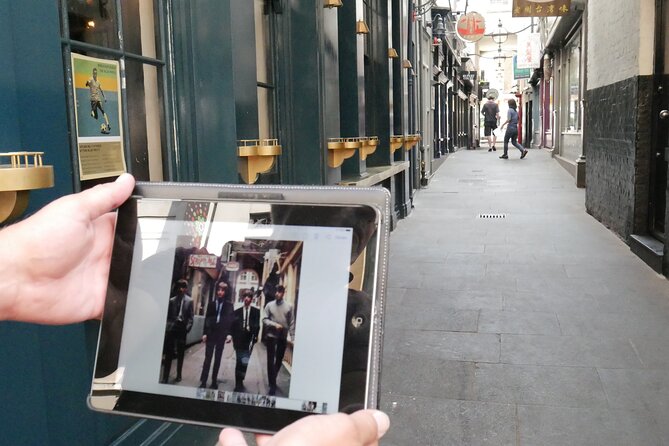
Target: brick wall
(617,146)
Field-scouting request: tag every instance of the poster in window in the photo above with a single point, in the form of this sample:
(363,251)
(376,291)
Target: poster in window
(97,110)
(540,8)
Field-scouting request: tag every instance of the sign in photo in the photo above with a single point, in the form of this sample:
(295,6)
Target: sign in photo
(97,106)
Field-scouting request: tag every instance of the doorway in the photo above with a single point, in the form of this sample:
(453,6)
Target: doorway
(660,112)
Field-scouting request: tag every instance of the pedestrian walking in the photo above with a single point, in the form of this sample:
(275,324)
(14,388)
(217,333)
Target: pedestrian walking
(512,131)
(490,112)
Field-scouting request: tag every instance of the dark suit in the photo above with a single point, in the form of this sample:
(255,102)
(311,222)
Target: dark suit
(217,326)
(245,330)
(179,323)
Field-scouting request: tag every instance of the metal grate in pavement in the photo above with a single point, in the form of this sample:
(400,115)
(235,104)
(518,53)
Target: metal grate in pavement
(492,216)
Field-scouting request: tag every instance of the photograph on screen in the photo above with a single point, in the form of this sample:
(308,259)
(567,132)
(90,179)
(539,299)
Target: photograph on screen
(231,315)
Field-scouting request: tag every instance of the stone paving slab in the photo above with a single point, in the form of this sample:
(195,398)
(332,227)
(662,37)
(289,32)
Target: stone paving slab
(541,328)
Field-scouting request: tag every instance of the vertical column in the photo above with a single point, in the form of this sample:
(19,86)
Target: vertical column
(352,80)
(308,103)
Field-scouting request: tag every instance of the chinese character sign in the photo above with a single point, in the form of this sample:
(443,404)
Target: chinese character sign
(471,27)
(529,50)
(540,8)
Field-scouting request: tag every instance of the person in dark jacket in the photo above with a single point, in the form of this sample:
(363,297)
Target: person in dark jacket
(179,323)
(217,332)
(245,328)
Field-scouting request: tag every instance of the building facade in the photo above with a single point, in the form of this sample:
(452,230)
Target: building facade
(201,85)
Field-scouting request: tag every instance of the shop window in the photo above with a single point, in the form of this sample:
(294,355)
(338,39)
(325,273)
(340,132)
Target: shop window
(126,32)
(573,84)
(246,280)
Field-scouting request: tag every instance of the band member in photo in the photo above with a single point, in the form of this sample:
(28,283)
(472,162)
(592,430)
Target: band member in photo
(278,323)
(217,332)
(245,330)
(179,323)
(97,96)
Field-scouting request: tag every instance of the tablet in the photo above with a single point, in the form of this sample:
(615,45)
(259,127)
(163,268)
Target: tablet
(244,306)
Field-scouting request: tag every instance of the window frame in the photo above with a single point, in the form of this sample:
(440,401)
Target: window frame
(163,64)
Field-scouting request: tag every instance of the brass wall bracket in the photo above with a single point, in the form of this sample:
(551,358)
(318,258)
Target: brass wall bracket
(410,141)
(18,178)
(256,156)
(368,145)
(396,141)
(340,149)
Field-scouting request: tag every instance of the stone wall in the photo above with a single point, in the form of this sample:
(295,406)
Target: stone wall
(620,36)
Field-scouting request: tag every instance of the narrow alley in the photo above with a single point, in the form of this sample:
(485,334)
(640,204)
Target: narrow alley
(538,327)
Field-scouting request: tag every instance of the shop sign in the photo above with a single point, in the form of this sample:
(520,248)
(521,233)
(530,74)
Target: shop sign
(540,8)
(202,261)
(232,266)
(468,75)
(529,50)
(471,27)
(520,73)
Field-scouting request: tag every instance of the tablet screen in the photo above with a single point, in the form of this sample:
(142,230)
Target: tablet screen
(237,313)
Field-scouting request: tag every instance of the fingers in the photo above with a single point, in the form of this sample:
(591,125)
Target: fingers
(363,428)
(263,439)
(370,424)
(105,197)
(231,437)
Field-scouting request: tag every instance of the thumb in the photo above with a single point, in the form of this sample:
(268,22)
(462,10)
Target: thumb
(104,198)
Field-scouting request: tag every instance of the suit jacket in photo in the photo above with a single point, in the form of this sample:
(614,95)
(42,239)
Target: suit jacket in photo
(180,317)
(218,331)
(241,337)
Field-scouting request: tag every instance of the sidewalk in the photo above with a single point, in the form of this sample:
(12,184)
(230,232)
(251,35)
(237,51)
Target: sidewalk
(540,328)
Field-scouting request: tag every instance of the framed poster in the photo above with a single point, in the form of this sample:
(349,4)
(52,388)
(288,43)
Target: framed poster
(97,109)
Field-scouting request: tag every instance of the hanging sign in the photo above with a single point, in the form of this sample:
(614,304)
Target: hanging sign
(471,27)
(468,76)
(540,8)
(202,261)
(97,110)
(529,50)
(520,73)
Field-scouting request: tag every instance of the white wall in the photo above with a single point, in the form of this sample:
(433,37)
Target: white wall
(620,40)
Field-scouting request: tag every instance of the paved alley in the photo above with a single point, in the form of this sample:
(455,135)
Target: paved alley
(534,327)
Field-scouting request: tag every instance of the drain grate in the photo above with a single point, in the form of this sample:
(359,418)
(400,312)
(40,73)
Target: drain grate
(492,216)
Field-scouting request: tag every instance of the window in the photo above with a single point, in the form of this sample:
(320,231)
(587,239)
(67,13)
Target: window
(573,84)
(127,31)
(264,64)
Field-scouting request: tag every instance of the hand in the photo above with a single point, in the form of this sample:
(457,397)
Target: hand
(228,339)
(204,339)
(363,428)
(60,264)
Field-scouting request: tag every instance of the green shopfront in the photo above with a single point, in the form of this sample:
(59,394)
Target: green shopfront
(185,83)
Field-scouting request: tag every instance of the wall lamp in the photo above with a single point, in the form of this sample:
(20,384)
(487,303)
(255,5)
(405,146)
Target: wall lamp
(332,4)
(438,28)
(392,53)
(18,178)
(361,27)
